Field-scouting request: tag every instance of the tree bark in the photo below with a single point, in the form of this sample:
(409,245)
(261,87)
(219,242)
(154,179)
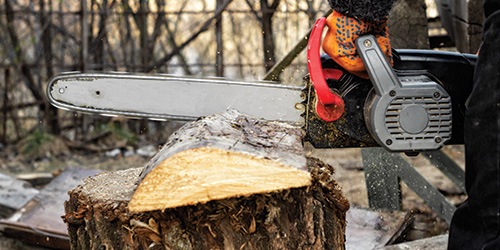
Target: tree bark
(408,25)
(227,181)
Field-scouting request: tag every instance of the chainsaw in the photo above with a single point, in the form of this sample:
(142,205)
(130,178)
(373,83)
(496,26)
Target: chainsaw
(417,104)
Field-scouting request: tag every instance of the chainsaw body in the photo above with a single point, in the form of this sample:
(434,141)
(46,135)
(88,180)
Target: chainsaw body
(416,105)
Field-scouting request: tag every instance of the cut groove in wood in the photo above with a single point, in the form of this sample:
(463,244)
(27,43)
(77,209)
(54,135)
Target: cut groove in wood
(203,174)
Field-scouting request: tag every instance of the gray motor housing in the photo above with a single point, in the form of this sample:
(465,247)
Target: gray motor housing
(406,113)
(415,117)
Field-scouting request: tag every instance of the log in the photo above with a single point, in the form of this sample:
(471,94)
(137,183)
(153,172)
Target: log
(226,181)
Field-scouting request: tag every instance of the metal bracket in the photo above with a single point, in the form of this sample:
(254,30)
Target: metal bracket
(385,170)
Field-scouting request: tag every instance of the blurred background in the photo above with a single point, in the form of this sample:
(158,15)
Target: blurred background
(240,39)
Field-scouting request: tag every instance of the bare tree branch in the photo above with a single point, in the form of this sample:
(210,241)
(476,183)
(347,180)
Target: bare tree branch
(24,69)
(274,73)
(160,19)
(181,57)
(274,5)
(252,9)
(193,37)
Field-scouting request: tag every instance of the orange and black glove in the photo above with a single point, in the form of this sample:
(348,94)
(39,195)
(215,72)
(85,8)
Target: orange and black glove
(342,32)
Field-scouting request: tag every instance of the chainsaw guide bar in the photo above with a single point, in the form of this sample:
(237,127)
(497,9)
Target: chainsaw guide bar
(166,97)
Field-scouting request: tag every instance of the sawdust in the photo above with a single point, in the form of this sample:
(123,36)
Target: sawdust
(347,163)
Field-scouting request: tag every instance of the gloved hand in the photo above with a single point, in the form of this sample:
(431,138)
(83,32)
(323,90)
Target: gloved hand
(342,32)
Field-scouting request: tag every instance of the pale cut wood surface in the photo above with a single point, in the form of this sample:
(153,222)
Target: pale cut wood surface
(222,156)
(204,174)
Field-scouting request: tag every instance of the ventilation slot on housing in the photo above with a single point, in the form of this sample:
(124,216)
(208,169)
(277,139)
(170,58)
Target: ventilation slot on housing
(437,123)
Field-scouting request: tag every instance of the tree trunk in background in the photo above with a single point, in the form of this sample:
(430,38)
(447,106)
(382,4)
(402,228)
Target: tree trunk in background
(51,113)
(463,21)
(25,70)
(219,57)
(142,23)
(97,47)
(227,181)
(268,10)
(408,25)
(475,25)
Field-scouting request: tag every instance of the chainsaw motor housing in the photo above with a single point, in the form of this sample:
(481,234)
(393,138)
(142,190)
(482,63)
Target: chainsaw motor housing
(450,71)
(415,104)
(408,113)
(414,116)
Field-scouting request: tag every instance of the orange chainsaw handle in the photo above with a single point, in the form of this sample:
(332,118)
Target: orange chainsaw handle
(329,105)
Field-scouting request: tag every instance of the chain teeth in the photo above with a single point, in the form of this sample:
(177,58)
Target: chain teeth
(322,134)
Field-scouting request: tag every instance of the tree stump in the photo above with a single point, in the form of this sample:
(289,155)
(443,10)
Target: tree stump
(226,181)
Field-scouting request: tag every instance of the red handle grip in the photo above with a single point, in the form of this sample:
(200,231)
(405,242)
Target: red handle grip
(329,106)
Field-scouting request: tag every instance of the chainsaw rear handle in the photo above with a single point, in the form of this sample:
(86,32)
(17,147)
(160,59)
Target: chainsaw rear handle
(379,69)
(329,105)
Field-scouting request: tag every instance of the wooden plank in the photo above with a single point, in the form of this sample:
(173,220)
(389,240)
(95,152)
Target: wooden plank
(425,190)
(14,194)
(36,179)
(39,221)
(48,205)
(370,229)
(28,234)
(432,243)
